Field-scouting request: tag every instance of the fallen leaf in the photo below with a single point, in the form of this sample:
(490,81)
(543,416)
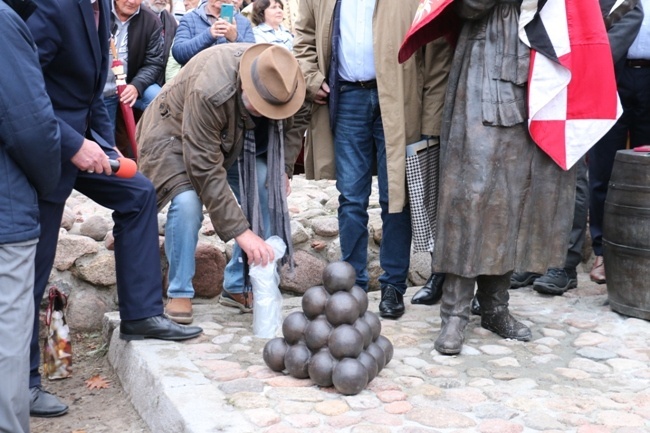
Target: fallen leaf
(97,382)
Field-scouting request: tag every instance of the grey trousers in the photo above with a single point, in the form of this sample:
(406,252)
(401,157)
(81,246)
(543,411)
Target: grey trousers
(579,227)
(16,323)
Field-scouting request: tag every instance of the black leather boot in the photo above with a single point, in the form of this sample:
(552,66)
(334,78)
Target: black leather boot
(431,292)
(454,311)
(493,297)
(499,321)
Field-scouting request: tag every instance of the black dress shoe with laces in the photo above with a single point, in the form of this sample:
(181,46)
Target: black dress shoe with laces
(431,292)
(160,327)
(392,302)
(42,404)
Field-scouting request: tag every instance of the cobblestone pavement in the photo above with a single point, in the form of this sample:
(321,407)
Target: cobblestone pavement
(586,370)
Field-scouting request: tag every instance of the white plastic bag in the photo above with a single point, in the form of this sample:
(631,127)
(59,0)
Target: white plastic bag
(267,299)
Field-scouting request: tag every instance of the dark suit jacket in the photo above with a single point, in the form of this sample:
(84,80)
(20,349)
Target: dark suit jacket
(146,49)
(73,52)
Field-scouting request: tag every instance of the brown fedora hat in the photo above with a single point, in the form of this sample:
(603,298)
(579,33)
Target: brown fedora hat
(272,80)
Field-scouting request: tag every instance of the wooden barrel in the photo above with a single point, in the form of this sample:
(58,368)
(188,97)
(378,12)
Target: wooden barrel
(626,235)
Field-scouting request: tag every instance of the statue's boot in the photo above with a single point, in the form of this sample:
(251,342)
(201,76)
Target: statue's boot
(493,296)
(457,294)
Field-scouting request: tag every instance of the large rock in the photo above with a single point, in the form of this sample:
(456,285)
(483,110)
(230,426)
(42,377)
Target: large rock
(374,272)
(420,268)
(325,226)
(98,270)
(375,227)
(298,233)
(86,308)
(109,241)
(207,229)
(308,272)
(95,227)
(68,218)
(333,252)
(162,222)
(70,248)
(210,265)
(305,217)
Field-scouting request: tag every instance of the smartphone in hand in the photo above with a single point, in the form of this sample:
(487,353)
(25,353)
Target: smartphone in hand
(227,12)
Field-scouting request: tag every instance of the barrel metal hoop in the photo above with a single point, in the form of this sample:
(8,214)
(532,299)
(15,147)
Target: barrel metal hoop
(640,251)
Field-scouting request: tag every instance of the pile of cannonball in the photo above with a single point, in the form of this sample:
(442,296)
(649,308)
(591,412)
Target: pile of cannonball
(334,340)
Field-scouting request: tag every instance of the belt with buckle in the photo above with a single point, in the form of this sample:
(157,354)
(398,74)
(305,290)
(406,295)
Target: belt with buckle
(370,84)
(637,63)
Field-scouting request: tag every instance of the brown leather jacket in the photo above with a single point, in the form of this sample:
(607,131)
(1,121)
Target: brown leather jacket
(194,131)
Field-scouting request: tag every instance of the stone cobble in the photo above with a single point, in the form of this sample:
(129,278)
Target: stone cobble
(586,370)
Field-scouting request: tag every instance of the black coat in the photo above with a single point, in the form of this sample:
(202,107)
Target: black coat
(145,62)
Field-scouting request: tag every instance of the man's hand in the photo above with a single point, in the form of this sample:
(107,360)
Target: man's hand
(257,251)
(91,158)
(223,28)
(129,95)
(322,94)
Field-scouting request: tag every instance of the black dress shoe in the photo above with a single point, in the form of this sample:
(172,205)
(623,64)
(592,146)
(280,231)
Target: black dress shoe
(160,327)
(42,404)
(431,292)
(392,302)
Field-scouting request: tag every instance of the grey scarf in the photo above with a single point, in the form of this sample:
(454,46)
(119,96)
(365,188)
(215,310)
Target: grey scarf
(279,212)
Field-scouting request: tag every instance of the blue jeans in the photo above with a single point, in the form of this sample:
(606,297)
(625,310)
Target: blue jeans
(184,219)
(234,274)
(113,102)
(149,94)
(358,140)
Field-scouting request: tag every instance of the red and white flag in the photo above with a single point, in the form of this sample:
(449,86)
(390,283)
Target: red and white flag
(433,19)
(572,97)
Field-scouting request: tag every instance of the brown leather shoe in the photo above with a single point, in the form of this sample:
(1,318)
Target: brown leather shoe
(179,310)
(597,273)
(237,300)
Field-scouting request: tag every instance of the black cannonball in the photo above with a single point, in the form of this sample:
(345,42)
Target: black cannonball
(370,364)
(375,324)
(386,346)
(365,331)
(345,342)
(317,333)
(342,308)
(313,301)
(350,376)
(362,298)
(339,276)
(293,327)
(321,366)
(297,360)
(378,353)
(274,352)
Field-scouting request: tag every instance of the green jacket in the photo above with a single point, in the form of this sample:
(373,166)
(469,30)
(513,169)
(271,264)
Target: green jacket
(194,131)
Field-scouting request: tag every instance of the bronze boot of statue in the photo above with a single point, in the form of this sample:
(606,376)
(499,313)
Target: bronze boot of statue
(457,294)
(493,296)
